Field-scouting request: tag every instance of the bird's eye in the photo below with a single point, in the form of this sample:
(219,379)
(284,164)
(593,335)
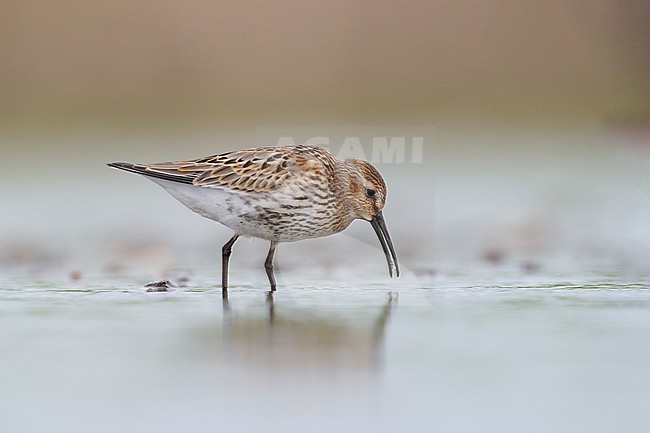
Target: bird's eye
(370,193)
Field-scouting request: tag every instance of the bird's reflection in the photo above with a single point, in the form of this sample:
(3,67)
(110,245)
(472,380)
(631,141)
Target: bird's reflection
(283,334)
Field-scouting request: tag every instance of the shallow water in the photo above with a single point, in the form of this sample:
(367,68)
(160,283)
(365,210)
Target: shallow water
(454,352)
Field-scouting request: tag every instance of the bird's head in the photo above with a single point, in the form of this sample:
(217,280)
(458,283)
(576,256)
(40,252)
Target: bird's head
(366,190)
(367,197)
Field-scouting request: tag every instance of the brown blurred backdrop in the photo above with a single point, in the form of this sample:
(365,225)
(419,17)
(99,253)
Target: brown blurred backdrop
(337,58)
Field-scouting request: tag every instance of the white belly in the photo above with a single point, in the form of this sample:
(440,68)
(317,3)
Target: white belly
(246,213)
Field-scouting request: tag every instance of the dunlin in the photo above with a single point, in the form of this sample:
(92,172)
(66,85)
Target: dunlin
(281,194)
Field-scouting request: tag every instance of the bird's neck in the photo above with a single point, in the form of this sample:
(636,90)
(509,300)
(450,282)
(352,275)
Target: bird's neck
(345,183)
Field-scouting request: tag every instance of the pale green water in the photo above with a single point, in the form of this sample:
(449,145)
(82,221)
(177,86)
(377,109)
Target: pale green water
(459,352)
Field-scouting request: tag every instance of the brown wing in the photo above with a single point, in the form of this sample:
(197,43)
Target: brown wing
(257,169)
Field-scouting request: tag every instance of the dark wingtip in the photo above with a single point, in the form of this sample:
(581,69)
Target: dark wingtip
(140,169)
(122,165)
(127,166)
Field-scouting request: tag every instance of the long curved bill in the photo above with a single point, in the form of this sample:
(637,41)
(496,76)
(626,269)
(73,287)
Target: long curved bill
(379,225)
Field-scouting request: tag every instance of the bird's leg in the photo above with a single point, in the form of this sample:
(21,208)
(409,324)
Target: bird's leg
(268,264)
(225,258)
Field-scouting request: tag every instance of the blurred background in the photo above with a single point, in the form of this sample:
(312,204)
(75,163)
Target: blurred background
(536,120)
(519,209)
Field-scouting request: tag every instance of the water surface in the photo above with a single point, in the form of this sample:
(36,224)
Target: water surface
(454,352)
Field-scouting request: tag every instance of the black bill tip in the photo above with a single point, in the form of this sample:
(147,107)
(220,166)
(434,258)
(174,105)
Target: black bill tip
(381,230)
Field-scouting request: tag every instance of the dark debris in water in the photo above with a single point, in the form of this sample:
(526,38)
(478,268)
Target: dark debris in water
(160,286)
(530,267)
(494,256)
(76,275)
